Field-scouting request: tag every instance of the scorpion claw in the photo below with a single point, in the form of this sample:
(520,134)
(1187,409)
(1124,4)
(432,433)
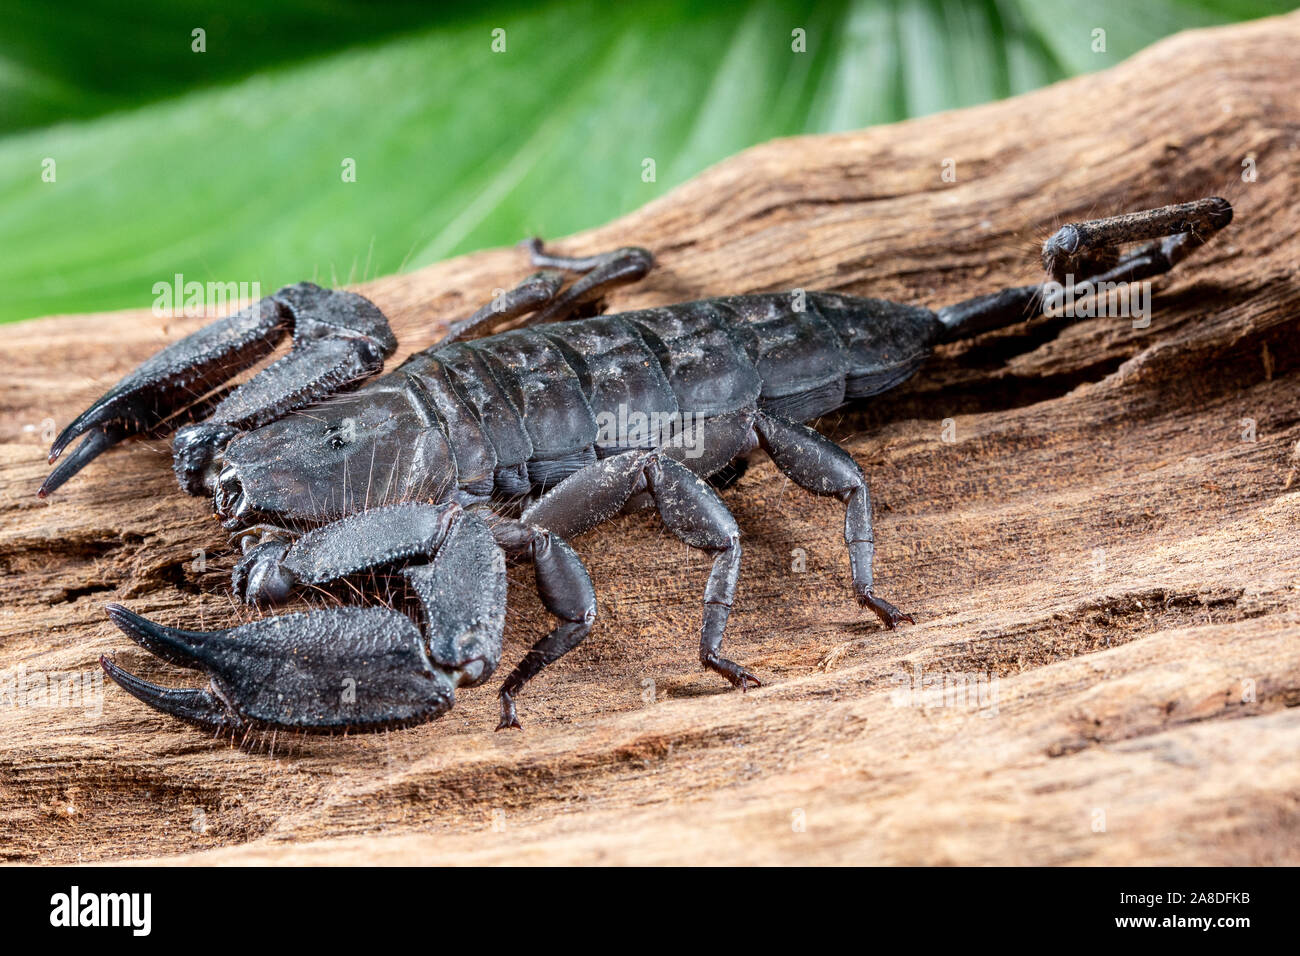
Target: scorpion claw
(338,338)
(171,644)
(190,704)
(100,439)
(338,669)
(166,383)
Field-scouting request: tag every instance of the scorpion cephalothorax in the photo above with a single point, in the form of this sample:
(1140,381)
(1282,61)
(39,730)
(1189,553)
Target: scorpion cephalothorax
(480,451)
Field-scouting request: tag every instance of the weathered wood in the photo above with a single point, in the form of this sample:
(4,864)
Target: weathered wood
(1099,539)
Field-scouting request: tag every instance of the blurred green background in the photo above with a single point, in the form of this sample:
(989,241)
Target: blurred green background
(228,164)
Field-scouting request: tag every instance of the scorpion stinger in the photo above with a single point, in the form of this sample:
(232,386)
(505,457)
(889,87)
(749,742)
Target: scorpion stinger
(1088,254)
(338,338)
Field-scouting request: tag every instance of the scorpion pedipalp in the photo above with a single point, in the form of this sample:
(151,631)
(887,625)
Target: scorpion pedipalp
(339,339)
(190,704)
(345,668)
(177,376)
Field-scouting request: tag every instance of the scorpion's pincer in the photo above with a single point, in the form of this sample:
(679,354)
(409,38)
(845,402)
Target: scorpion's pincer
(340,669)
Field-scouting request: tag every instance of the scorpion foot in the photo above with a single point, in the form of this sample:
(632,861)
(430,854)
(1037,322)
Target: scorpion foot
(739,676)
(889,615)
(340,669)
(509,719)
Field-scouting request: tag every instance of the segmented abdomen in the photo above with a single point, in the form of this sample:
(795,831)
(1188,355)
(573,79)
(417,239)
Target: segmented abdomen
(526,408)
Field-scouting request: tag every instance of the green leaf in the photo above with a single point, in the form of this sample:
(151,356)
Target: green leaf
(228,165)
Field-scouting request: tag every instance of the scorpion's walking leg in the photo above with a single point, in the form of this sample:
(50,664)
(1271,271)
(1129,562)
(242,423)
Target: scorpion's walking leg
(565,589)
(529,296)
(540,293)
(690,508)
(603,272)
(817,464)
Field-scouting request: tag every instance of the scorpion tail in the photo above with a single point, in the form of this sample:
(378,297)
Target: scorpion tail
(992,311)
(1082,256)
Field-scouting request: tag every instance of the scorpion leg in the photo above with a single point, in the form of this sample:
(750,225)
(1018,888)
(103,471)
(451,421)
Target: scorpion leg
(689,507)
(345,668)
(817,464)
(530,295)
(603,272)
(540,292)
(566,592)
(339,337)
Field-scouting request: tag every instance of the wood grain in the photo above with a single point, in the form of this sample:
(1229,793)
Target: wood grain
(1100,548)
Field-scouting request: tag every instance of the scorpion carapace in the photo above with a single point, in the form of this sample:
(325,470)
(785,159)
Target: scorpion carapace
(480,451)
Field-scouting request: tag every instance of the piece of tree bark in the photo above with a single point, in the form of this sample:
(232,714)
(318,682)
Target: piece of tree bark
(1110,539)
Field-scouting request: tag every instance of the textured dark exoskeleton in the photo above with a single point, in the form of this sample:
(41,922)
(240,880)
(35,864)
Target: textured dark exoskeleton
(481,451)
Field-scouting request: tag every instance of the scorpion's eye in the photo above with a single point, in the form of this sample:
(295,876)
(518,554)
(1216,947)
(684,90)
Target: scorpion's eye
(334,436)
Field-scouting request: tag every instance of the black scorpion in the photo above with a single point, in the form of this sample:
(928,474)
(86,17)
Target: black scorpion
(480,451)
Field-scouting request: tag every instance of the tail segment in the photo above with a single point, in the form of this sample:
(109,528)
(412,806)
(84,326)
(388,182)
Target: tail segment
(1084,255)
